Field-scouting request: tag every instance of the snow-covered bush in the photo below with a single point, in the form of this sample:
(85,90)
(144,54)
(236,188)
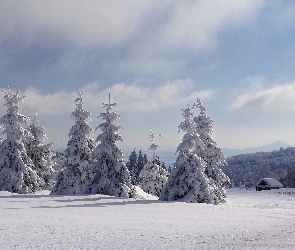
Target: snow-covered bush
(17,174)
(41,154)
(210,152)
(108,174)
(71,180)
(153,176)
(188,181)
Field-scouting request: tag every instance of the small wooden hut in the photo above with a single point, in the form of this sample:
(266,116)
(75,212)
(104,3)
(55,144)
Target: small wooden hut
(268,184)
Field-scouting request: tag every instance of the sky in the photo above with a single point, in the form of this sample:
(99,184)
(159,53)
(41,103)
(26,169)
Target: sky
(154,58)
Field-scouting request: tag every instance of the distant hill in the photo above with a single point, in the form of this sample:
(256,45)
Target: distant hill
(169,155)
(265,148)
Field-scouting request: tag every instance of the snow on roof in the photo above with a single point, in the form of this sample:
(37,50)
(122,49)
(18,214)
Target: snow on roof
(271,182)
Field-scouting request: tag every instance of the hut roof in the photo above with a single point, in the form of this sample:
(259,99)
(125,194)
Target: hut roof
(271,182)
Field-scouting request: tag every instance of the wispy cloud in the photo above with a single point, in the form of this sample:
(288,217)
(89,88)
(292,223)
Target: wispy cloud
(276,97)
(196,24)
(157,36)
(130,97)
(79,23)
(137,98)
(50,104)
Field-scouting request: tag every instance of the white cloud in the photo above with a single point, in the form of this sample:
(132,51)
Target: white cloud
(277,97)
(49,104)
(83,23)
(196,24)
(136,98)
(110,22)
(59,102)
(151,37)
(130,97)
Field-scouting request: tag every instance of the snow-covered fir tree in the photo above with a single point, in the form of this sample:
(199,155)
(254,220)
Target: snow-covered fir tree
(59,160)
(210,152)
(17,174)
(188,181)
(163,165)
(170,168)
(145,159)
(41,154)
(132,167)
(141,161)
(71,180)
(157,160)
(110,175)
(153,176)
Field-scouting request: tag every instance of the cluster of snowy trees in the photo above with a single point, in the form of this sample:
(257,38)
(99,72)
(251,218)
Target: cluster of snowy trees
(196,176)
(248,169)
(97,166)
(135,164)
(25,162)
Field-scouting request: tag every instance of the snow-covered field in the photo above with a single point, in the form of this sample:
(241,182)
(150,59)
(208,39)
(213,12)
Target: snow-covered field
(250,220)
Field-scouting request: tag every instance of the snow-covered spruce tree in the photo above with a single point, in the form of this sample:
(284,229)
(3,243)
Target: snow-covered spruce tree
(210,152)
(153,176)
(188,181)
(157,160)
(132,167)
(71,180)
(141,161)
(17,174)
(41,154)
(59,160)
(163,165)
(110,175)
(145,159)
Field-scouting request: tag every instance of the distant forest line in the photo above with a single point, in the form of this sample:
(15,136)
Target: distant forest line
(247,169)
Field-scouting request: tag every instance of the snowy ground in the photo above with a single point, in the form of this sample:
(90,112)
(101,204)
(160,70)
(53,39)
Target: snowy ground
(250,220)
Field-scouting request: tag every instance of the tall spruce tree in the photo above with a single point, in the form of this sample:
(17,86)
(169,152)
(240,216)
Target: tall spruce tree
(188,181)
(153,176)
(210,152)
(71,180)
(17,174)
(41,154)
(110,175)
